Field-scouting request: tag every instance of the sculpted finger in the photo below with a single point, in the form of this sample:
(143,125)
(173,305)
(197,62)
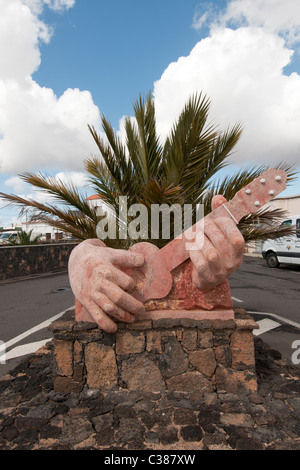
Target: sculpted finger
(201,272)
(198,261)
(214,234)
(228,226)
(111,309)
(126,259)
(217,201)
(223,246)
(102,320)
(209,249)
(208,266)
(203,282)
(121,298)
(198,280)
(211,255)
(115,275)
(233,235)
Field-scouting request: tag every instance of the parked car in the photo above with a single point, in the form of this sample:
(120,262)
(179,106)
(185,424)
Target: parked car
(7,237)
(285,249)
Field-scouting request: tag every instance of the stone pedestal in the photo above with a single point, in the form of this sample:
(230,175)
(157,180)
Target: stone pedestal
(180,355)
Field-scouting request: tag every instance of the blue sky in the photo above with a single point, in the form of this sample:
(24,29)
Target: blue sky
(115,49)
(68,61)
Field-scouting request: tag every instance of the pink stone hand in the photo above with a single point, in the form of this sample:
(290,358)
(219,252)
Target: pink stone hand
(221,253)
(102,288)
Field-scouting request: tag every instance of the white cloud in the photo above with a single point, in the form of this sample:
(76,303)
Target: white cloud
(275,16)
(241,70)
(58,5)
(20,33)
(205,14)
(38,130)
(15,184)
(38,195)
(121,133)
(2,205)
(42,131)
(78,178)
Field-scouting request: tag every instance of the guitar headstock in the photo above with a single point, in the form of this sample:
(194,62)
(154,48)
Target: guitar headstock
(258,193)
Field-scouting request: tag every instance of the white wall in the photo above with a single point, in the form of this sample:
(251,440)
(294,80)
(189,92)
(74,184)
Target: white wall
(289,204)
(40,228)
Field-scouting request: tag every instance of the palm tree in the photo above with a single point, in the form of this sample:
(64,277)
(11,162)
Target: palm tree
(25,238)
(180,171)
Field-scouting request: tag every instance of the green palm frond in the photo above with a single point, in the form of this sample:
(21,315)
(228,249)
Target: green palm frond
(220,151)
(102,180)
(150,148)
(115,168)
(252,233)
(156,193)
(64,193)
(195,151)
(134,149)
(187,138)
(78,224)
(25,238)
(265,224)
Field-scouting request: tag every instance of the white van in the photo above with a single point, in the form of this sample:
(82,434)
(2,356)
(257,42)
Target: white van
(7,237)
(285,249)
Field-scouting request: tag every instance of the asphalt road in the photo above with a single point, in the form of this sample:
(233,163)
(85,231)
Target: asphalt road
(270,295)
(268,290)
(25,306)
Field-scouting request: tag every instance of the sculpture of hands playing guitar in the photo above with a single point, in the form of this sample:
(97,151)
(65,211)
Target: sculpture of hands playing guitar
(186,278)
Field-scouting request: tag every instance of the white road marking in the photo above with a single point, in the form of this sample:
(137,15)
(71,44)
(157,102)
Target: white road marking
(265,325)
(39,327)
(277,317)
(237,300)
(23,350)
